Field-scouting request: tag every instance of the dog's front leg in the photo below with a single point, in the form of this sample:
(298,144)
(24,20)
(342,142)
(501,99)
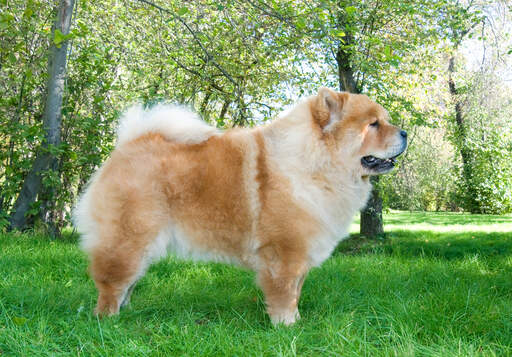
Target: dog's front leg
(282,293)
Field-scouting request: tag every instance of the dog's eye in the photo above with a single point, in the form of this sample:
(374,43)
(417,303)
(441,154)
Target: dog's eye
(375,123)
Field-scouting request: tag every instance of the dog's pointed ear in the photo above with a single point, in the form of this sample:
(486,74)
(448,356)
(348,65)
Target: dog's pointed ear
(329,99)
(329,106)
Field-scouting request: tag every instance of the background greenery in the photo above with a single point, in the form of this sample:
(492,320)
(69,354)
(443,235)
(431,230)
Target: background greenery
(242,62)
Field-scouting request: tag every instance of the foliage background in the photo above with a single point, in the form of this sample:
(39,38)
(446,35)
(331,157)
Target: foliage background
(242,62)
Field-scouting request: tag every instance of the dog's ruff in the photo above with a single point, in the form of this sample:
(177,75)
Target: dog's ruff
(276,199)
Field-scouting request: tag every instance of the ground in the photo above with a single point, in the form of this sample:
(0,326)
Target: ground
(440,284)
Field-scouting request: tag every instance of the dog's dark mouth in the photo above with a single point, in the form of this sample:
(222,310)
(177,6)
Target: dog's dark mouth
(378,165)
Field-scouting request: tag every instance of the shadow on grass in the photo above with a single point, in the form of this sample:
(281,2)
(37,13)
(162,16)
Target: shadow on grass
(200,287)
(432,244)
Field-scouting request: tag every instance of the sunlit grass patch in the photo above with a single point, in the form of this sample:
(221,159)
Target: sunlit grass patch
(442,222)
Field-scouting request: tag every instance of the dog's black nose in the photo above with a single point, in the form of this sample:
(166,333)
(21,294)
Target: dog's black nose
(403,133)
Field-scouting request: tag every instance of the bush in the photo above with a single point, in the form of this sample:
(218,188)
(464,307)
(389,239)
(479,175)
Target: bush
(426,176)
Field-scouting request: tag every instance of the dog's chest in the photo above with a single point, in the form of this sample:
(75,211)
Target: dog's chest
(333,206)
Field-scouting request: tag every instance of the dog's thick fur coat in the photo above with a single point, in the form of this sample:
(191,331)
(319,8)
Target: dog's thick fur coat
(276,199)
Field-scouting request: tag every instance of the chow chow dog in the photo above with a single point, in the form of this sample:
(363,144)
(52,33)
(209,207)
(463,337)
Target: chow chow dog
(276,199)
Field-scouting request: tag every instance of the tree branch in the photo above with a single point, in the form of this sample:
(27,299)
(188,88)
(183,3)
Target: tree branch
(271,14)
(209,56)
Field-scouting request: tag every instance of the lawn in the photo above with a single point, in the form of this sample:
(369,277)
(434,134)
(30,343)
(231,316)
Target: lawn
(439,285)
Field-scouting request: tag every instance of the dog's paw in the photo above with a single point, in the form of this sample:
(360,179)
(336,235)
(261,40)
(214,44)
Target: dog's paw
(105,311)
(286,318)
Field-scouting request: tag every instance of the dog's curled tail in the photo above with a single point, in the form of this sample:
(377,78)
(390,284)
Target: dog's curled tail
(173,122)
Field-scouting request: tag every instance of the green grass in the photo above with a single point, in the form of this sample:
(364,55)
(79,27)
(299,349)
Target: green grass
(440,285)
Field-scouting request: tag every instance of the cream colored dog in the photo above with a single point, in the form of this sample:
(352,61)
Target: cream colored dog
(276,199)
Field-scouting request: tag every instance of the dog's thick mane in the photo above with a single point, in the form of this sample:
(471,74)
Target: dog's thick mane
(173,122)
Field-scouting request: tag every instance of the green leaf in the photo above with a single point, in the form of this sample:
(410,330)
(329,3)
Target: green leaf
(301,23)
(28,12)
(5,19)
(182,11)
(387,52)
(339,33)
(58,38)
(350,10)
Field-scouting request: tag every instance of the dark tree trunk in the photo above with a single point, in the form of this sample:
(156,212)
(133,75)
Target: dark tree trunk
(371,217)
(465,153)
(223,111)
(240,118)
(345,72)
(204,104)
(45,156)
(48,211)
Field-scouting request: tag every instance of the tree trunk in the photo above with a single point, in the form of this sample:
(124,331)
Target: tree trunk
(345,72)
(371,217)
(465,153)
(223,112)
(48,211)
(204,104)
(45,156)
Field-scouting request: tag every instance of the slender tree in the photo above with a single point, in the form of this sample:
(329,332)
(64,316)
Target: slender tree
(371,224)
(46,156)
(461,19)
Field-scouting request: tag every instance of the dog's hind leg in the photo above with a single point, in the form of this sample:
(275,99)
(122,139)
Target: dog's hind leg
(116,268)
(114,271)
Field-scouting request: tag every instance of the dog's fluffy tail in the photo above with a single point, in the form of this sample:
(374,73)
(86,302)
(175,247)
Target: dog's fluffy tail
(173,122)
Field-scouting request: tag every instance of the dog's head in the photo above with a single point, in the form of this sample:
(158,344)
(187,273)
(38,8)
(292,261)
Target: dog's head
(357,131)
